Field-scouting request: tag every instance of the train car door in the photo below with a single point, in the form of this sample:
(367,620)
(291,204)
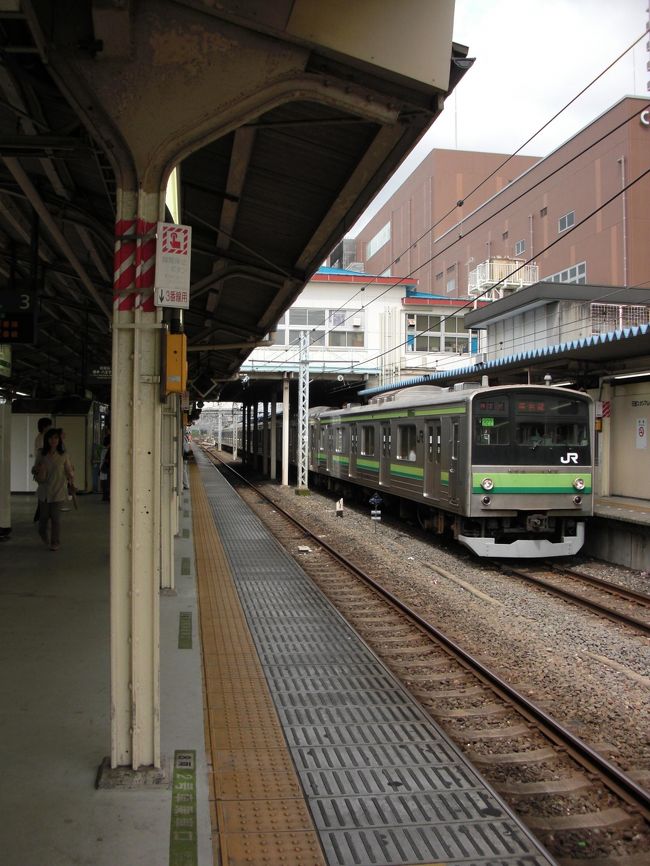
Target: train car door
(384,463)
(432,459)
(354,448)
(453,462)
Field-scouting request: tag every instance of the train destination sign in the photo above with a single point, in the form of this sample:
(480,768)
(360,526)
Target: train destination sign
(173,256)
(17,315)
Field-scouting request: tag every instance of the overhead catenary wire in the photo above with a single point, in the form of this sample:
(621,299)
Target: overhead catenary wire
(479,225)
(481,183)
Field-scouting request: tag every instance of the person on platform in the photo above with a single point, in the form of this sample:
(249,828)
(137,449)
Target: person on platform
(54,473)
(42,425)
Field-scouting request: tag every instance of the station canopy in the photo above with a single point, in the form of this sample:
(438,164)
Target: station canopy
(266,201)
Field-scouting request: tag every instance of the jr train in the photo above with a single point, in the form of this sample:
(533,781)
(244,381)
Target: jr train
(507,469)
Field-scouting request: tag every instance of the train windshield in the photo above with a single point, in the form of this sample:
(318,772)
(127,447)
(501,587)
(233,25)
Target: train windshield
(520,428)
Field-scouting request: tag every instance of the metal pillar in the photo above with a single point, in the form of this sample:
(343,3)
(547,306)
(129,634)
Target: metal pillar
(303,411)
(234,431)
(265,439)
(168,490)
(219,431)
(5,466)
(135,488)
(285,430)
(274,441)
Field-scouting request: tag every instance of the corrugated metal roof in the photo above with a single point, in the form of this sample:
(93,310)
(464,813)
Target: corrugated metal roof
(619,345)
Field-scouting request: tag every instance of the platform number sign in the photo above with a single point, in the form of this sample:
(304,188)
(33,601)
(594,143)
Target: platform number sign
(17,315)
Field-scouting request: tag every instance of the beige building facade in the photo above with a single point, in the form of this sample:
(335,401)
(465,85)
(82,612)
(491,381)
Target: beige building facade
(580,215)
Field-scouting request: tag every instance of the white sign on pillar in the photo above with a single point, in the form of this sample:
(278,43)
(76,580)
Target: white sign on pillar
(642,433)
(173,258)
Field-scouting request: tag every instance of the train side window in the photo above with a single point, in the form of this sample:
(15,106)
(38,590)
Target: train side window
(339,440)
(322,438)
(406,442)
(368,441)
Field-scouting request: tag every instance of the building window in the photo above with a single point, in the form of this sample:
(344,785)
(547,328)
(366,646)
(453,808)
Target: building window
(330,328)
(382,237)
(615,317)
(406,442)
(520,247)
(438,334)
(504,236)
(543,212)
(574,274)
(368,441)
(439,275)
(565,222)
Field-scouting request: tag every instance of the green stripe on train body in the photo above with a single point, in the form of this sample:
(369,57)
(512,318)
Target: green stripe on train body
(368,465)
(403,471)
(531,482)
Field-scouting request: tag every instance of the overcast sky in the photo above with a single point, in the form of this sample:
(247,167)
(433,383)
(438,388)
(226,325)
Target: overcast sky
(533,57)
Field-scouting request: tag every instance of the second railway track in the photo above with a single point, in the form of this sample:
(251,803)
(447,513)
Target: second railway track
(580,806)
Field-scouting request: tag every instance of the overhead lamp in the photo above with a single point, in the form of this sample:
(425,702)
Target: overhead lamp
(565,384)
(631,375)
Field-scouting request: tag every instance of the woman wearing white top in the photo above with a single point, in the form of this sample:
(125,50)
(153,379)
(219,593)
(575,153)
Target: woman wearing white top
(53,472)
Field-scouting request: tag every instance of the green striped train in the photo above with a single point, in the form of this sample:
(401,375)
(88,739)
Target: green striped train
(508,470)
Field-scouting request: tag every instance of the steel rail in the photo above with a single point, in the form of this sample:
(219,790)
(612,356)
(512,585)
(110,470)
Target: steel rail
(592,761)
(614,615)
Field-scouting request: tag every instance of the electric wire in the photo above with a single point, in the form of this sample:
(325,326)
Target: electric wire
(544,179)
(479,185)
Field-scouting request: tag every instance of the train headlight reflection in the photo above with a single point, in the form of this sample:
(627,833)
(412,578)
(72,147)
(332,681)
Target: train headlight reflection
(579,484)
(487,484)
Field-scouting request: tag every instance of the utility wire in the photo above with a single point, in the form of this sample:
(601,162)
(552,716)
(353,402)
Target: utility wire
(479,225)
(461,202)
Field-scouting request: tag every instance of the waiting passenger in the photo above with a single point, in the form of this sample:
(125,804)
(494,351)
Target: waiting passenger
(42,426)
(54,473)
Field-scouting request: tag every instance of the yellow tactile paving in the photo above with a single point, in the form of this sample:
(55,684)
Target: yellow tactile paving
(258,811)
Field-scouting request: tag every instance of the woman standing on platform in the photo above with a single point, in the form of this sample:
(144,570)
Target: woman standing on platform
(54,473)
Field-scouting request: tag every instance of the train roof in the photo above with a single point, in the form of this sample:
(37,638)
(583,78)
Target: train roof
(421,395)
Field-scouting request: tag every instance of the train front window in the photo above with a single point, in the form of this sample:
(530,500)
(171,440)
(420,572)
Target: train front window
(522,428)
(491,421)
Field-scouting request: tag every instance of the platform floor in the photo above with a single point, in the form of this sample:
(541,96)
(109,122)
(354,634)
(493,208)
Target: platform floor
(383,783)
(55,704)
(311,743)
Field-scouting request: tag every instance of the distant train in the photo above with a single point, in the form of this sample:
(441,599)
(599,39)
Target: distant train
(506,470)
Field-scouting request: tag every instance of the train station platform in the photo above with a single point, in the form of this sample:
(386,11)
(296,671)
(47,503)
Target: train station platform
(619,532)
(307,750)
(55,710)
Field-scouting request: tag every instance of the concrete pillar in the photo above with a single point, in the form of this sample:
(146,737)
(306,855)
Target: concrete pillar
(603,456)
(265,439)
(5,466)
(168,504)
(285,431)
(274,440)
(135,488)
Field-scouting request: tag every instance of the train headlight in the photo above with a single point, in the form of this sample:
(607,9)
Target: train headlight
(487,484)
(579,484)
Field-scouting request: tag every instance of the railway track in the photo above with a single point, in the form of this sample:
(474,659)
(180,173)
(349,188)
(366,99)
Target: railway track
(632,608)
(583,809)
